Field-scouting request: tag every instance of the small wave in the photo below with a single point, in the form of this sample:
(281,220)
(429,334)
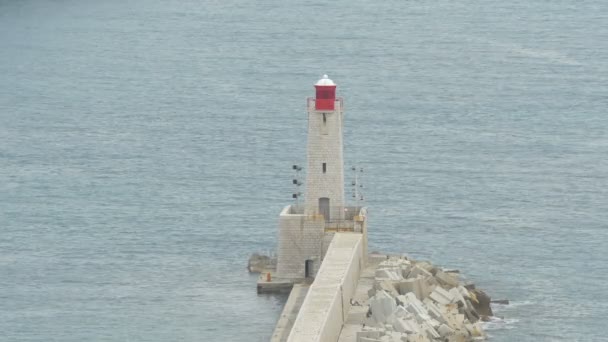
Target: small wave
(511,305)
(497,323)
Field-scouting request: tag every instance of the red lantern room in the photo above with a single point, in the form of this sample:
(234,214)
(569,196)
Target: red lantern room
(326,94)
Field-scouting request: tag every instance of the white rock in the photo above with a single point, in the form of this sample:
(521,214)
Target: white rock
(433,310)
(406,326)
(464,292)
(419,311)
(418,338)
(446,278)
(457,297)
(430,331)
(441,296)
(419,271)
(382,306)
(445,331)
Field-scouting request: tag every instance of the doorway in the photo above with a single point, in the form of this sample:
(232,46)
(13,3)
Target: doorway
(308,269)
(324,207)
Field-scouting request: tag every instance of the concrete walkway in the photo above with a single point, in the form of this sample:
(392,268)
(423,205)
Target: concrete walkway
(356,314)
(290,312)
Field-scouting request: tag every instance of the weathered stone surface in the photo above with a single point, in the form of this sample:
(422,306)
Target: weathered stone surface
(382,306)
(470,313)
(406,326)
(441,296)
(356,314)
(445,331)
(481,302)
(457,297)
(419,271)
(418,338)
(418,286)
(368,339)
(446,279)
(431,333)
(391,274)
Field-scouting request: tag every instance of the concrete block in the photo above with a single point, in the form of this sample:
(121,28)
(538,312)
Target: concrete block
(456,338)
(381,273)
(368,335)
(408,326)
(370,332)
(357,314)
(445,331)
(457,297)
(434,323)
(368,339)
(419,311)
(418,338)
(446,279)
(475,329)
(388,273)
(469,328)
(405,270)
(464,292)
(418,286)
(425,265)
(371,292)
(433,310)
(386,286)
(396,336)
(419,271)
(459,318)
(470,313)
(370,322)
(401,312)
(441,296)
(431,283)
(401,300)
(382,306)
(454,321)
(430,331)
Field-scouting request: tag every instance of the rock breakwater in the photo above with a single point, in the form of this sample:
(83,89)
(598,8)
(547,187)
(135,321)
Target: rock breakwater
(416,301)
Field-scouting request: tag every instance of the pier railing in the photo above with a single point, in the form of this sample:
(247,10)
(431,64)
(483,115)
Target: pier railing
(337,219)
(348,213)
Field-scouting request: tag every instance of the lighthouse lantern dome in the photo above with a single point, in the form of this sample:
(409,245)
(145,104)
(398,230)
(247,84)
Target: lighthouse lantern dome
(325,94)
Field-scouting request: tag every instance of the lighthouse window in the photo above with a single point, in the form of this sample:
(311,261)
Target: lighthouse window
(324,167)
(324,118)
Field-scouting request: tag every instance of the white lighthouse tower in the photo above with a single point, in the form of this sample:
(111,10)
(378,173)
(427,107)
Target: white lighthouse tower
(325,166)
(305,231)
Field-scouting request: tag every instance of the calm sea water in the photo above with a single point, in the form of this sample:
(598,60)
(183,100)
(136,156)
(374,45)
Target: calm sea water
(145,152)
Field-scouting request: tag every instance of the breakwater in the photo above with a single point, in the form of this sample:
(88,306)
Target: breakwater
(401,299)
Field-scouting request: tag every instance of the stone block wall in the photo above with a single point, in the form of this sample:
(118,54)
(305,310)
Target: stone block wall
(300,239)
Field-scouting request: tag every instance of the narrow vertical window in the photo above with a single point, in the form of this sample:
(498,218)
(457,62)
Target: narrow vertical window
(324,118)
(324,167)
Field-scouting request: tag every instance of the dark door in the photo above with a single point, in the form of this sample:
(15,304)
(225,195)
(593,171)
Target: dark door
(308,268)
(324,207)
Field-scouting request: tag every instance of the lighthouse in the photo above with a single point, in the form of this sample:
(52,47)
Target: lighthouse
(325,162)
(306,230)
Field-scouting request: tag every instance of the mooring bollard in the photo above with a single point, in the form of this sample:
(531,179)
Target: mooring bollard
(268,277)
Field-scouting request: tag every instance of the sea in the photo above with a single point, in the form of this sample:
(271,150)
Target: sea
(146,150)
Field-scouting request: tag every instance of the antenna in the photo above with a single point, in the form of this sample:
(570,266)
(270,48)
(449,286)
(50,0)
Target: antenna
(356,184)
